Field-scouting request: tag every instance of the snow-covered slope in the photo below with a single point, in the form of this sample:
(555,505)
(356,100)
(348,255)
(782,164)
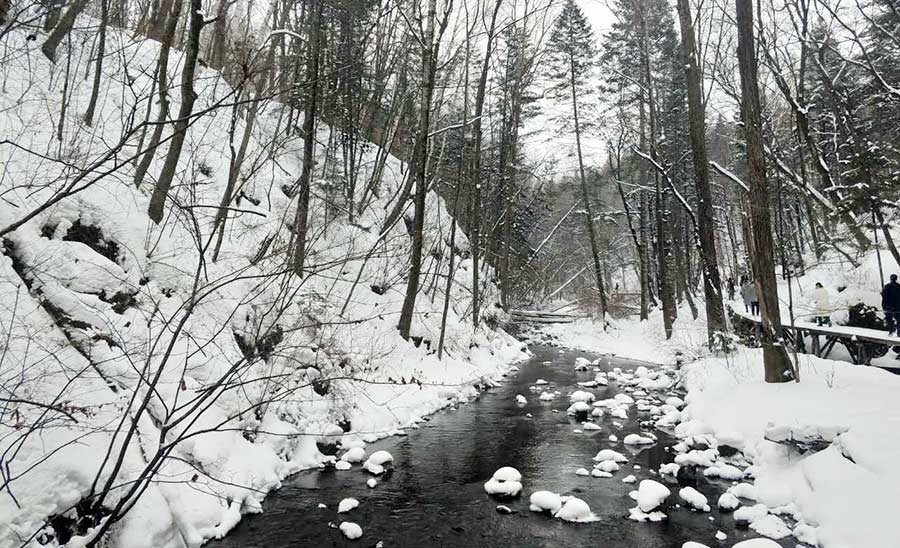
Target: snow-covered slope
(255,365)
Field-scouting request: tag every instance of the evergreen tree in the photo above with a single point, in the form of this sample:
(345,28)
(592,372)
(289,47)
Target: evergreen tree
(572,57)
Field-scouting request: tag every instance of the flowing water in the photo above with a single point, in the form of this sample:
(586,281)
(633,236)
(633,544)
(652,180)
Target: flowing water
(435,494)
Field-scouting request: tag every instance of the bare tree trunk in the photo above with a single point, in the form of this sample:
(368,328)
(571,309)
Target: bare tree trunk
(778,367)
(188,96)
(476,166)
(420,160)
(585,195)
(712,283)
(62,29)
(301,216)
(162,79)
(98,70)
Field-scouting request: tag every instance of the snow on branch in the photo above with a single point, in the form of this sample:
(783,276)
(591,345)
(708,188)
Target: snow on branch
(729,175)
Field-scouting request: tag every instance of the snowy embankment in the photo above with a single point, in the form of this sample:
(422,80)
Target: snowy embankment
(816,460)
(254,369)
(845,493)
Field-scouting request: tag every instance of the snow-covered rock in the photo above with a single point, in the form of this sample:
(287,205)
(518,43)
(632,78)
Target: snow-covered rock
(576,510)
(581,396)
(350,530)
(546,396)
(590,426)
(342,466)
(371,483)
(545,501)
(582,472)
(378,462)
(506,482)
(728,502)
(629,479)
(694,499)
(609,454)
(347,504)
(607,466)
(650,494)
(521,400)
(637,439)
(354,454)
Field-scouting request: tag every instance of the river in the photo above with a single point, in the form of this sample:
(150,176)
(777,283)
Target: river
(435,495)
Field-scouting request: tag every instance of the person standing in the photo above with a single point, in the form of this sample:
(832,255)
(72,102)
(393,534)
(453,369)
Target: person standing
(823,308)
(890,303)
(730,284)
(748,293)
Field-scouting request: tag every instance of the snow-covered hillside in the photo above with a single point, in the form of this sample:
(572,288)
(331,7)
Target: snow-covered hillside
(250,365)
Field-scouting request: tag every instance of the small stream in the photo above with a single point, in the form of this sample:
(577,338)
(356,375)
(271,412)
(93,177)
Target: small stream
(435,495)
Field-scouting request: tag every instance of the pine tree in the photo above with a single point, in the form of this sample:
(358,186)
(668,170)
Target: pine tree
(572,58)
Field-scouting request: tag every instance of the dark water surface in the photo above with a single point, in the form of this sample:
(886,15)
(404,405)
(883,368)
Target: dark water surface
(435,495)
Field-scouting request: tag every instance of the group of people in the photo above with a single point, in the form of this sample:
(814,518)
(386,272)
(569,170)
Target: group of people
(890,301)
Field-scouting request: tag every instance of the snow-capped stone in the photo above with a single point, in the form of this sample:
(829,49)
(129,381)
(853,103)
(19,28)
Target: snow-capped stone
(506,510)
(624,399)
(578,407)
(692,544)
(675,402)
(600,474)
(613,438)
(720,536)
(377,462)
(506,482)
(597,412)
(521,400)
(629,479)
(342,466)
(546,396)
(575,510)
(355,454)
(347,504)
(651,494)
(371,483)
(757,543)
(728,502)
(591,426)
(724,471)
(607,466)
(545,501)
(637,439)
(619,413)
(693,498)
(750,514)
(582,472)
(744,491)
(609,454)
(670,469)
(581,396)
(582,364)
(541,381)
(350,530)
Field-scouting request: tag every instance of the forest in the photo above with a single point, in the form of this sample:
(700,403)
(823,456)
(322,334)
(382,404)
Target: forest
(244,240)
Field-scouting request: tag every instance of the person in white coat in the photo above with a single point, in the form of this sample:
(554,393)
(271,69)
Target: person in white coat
(822,304)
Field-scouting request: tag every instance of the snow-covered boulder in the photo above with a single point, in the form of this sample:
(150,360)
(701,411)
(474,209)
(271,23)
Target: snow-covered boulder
(546,396)
(591,426)
(350,530)
(347,504)
(608,466)
(609,454)
(342,466)
(637,439)
(581,395)
(650,494)
(506,482)
(582,472)
(545,501)
(694,499)
(582,364)
(578,408)
(576,510)
(521,400)
(378,462)
(728,502)
(354,454)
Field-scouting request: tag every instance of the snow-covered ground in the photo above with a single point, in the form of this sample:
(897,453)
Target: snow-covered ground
(841,496)
(96,300)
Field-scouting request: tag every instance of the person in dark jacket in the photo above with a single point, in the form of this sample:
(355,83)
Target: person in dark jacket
(890,303)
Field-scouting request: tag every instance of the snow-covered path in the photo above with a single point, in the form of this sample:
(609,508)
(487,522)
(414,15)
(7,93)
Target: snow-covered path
(435,494)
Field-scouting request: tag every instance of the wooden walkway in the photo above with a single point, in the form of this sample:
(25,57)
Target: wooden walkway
(539,316)
(862,344)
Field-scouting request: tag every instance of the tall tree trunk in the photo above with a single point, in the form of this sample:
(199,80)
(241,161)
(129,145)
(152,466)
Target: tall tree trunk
(98,70)
(777,363)
(585,195)
(162,79)
(188,96)
(62,29)
(476,166)
(706,224)
(420,160)
(301,216)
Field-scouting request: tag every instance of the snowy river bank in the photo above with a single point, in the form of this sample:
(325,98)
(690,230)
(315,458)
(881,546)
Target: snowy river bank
(435,494)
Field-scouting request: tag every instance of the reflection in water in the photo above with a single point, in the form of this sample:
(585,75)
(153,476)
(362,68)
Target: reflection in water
(435,495)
